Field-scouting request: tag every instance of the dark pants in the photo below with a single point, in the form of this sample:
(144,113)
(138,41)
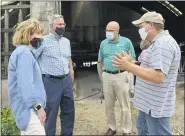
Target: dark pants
(59,93)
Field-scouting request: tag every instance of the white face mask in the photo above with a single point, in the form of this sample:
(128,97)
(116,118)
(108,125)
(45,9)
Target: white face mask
(143,33)
(110,36)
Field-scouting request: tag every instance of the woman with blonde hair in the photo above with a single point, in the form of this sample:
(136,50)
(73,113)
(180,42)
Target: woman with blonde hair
(26,91)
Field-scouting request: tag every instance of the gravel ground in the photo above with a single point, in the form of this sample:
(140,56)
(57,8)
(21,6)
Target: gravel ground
(91,119)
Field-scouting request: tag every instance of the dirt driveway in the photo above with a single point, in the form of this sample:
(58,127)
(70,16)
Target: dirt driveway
(91,119)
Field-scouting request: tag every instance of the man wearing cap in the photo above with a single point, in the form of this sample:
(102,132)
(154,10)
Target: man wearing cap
(156,76)
(115,81)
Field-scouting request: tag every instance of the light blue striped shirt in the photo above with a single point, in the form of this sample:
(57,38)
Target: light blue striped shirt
(53,55)
(163,54)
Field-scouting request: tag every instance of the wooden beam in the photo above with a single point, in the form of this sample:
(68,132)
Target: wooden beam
(59,7)
(20,17)
(6,36)
(6,53)
(15,7)
(6,39)
(4,30)
(43,12)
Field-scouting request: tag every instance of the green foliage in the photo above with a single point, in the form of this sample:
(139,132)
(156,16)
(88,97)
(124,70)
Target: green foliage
(8,125)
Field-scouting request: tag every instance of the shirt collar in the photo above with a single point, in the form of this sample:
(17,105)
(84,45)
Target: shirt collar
(55,36)
(19,45)
(163,32)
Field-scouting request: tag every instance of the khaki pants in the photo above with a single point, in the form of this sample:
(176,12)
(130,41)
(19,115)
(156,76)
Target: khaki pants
(34,127)
(131,82)
(117,86)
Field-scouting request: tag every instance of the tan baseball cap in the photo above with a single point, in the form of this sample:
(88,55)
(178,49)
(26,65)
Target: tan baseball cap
(150,17)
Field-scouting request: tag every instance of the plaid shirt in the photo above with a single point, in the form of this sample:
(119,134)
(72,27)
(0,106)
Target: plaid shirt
(53,56)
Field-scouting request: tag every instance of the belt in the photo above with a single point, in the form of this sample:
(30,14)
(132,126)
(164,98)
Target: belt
(56,77)
(114,72)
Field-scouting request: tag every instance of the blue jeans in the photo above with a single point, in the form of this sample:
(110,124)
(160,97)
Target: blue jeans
(59,94)
(148,125)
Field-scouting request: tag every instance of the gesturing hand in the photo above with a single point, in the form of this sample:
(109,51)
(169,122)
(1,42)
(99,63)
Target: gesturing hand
(122,61)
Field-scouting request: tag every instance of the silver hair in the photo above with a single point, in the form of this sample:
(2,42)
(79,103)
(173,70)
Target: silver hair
(55,17)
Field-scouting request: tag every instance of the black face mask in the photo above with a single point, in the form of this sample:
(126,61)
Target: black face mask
(60,31)
(36,42)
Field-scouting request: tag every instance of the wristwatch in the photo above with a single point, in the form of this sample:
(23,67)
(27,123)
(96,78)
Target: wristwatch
(37,107)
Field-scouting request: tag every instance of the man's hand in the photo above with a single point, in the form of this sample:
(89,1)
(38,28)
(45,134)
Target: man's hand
(122,61)
(124,54)
(72,75)
(150,74)
(71,69)
(42,115)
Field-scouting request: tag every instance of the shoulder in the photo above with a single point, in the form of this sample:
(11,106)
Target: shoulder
(21,50)
(47,39)
(64,39)
(166,41)
(104,42)
(47,36)
(125,39)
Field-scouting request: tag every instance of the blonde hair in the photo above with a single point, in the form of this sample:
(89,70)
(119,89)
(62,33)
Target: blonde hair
(25,29)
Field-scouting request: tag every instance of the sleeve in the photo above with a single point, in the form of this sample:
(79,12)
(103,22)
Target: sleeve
(25,84)
(131,48)
(100,54)
(161,57)
(69,49)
